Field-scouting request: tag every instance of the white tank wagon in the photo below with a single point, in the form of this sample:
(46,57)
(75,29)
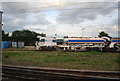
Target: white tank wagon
(77,43)
(114,44)
(84,43)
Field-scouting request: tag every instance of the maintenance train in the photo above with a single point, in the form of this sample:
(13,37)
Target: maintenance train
(78,43)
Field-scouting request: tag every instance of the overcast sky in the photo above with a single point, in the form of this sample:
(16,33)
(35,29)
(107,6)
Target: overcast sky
(61,17)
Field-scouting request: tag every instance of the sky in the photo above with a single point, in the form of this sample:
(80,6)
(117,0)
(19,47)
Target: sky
(62,17)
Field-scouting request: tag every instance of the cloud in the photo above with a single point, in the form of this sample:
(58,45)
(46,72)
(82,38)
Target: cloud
(60,0)
(36,27)
(60,17)
(111,30)
(13,19)
(87,11)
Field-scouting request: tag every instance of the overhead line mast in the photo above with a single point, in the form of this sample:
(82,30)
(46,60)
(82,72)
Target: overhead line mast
(0,42)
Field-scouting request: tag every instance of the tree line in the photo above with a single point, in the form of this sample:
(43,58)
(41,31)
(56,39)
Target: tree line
(27,36)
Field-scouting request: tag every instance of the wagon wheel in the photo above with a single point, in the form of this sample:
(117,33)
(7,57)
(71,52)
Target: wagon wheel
(117,45)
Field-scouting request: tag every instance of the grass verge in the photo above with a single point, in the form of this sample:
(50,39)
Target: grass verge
(66,60)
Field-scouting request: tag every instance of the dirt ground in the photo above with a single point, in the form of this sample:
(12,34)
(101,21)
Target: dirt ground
(19,49)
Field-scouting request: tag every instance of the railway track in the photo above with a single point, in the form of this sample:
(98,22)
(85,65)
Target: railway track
(47,74)
(107,51)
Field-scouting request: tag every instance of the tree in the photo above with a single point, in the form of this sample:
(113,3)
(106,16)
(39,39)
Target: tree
(102,34)
(26,36)
(42,35)
(5,37)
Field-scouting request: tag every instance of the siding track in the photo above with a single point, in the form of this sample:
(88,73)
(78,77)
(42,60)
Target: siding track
(47,74)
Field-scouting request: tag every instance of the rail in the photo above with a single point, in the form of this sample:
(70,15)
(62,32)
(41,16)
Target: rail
(48,74)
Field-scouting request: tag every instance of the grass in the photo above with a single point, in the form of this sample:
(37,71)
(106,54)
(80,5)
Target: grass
(66,60)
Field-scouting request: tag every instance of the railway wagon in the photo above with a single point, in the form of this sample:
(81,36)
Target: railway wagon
(115,43)
(93,43)
(85,43)
(45,43)
(81,43)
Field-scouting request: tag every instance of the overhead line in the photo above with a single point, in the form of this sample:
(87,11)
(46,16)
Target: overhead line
(59,9)
(57,5)
(24,10)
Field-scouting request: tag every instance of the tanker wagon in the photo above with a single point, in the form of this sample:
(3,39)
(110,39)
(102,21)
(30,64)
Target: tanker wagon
(78,43)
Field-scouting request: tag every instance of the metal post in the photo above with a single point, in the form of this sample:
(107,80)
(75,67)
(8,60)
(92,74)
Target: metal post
(0,43)
(0,31)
